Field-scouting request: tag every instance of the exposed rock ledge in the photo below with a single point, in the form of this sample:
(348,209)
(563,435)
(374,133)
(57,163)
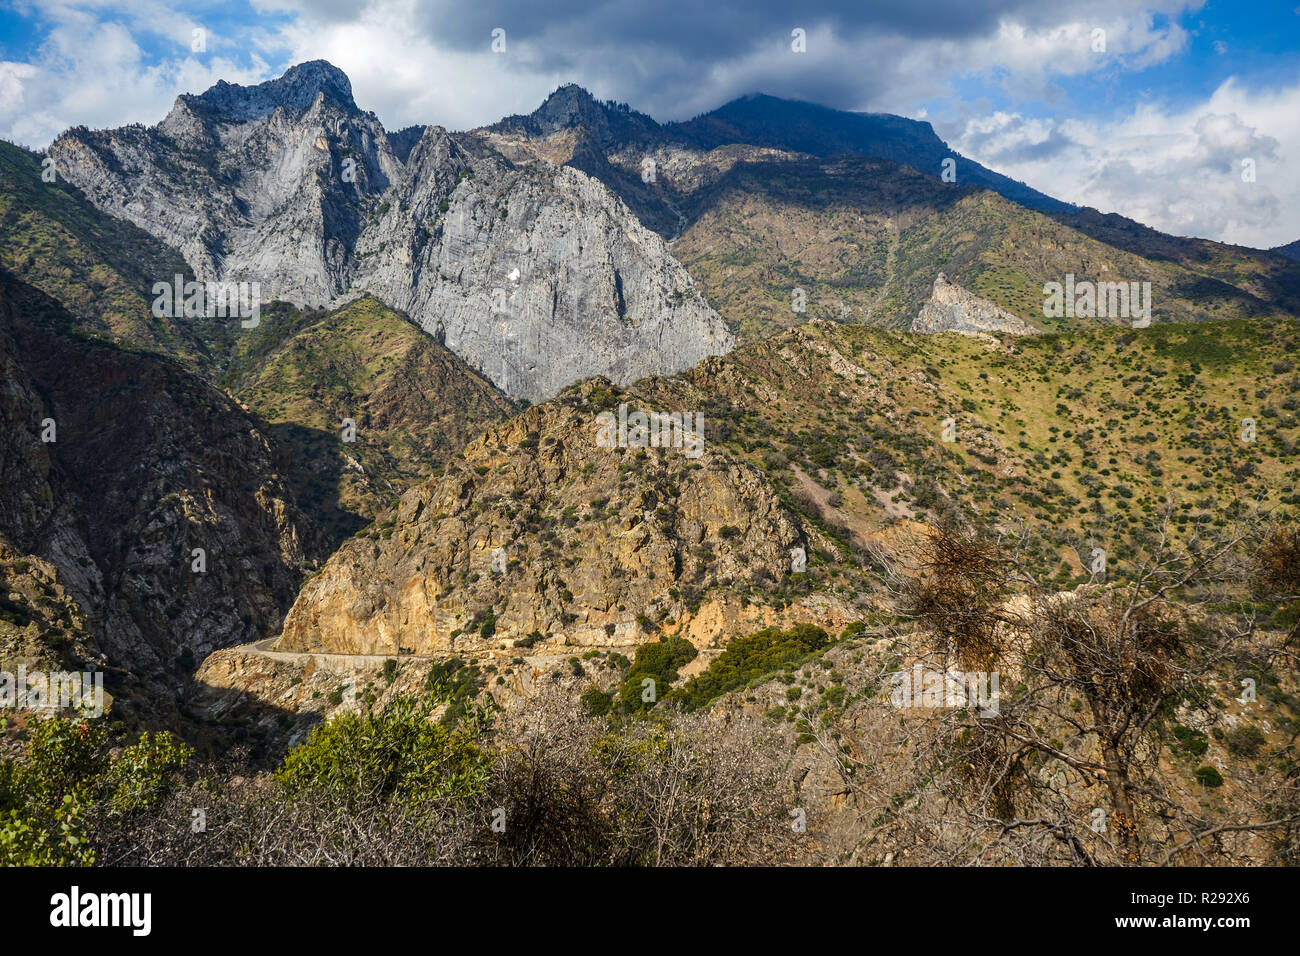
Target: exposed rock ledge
(952,309)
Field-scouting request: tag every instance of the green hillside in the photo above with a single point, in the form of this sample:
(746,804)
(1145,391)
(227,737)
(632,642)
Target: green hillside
(865,238)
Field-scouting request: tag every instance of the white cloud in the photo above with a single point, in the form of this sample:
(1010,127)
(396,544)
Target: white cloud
(100,64)
(1179,171)
(95,73)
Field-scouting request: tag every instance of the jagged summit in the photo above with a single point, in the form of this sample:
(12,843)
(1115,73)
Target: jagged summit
(295,90)
(573,107)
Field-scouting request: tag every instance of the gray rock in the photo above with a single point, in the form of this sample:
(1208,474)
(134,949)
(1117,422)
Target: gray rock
(536,276)
(951,308)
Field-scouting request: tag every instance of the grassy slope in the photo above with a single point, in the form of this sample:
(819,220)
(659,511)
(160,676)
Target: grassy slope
(415,404)
(1095,433)
(866,237)
(100,268)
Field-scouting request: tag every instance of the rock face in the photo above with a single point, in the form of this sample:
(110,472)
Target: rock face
(414,405)
(536,277)
(264,184)
(147,464)
(597,545)
(952,309)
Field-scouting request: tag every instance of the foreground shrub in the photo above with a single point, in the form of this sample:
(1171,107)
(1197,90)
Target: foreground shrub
(398,752)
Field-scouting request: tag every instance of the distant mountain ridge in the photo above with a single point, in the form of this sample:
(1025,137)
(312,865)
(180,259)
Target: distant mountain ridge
(545,248)
(1291,250)
(762,120)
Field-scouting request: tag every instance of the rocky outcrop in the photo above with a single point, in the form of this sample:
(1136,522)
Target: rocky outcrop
(951,308)
(266,184)
(547,537)
(147,464)
(537,277)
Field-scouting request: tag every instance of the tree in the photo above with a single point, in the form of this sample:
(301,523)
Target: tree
(1090,681)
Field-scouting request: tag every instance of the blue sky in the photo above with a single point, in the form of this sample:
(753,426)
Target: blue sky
(1154,126)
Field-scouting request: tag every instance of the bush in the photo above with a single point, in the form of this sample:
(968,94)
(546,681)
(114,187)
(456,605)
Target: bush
(1207,776)
(67,782)
(1191,741)
(1245,741)
(747,659)
(596,702)
(401,752)
(657,661)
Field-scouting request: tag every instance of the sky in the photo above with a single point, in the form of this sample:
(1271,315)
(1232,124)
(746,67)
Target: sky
(1182,115)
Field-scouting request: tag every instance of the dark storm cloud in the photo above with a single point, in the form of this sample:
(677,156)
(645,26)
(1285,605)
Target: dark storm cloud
(714,29)
(673,58)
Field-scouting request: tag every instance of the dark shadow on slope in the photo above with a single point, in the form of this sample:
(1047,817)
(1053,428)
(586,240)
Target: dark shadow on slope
(315,474)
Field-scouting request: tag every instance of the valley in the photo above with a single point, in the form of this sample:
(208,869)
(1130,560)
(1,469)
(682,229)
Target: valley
(634,456)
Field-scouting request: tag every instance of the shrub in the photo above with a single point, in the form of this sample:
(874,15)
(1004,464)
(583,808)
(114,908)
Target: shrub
(67,779)
(1192,741)
(657,661)
(1207,776)
(399,752)
(1245,741)
(597,702)
(747,659)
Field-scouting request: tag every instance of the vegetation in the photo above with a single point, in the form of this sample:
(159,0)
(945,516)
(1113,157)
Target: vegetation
(653,672)
(748,659)
(68,785)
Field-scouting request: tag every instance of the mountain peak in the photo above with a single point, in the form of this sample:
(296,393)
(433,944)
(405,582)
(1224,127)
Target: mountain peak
(296,90)
(570,105)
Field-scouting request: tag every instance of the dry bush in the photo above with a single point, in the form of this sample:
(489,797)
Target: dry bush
(1069,769)
(564,789)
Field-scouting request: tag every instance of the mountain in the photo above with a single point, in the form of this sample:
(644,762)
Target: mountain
(764,196)
(246,183)
(534,278)
(846,359)
(864,239)
(537,276)
(155,502)
(537,249)
(598,546)
(1291,250)
(176,433)
(611,142)
(414,405)
(761,120)
(542,543)
(98,267)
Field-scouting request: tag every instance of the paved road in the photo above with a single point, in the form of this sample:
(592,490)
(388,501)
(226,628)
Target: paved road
(263,649)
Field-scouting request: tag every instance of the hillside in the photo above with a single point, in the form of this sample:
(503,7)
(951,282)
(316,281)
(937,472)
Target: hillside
(864,240)
(100,268)
(110,517)
(827,438)
(414,405)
